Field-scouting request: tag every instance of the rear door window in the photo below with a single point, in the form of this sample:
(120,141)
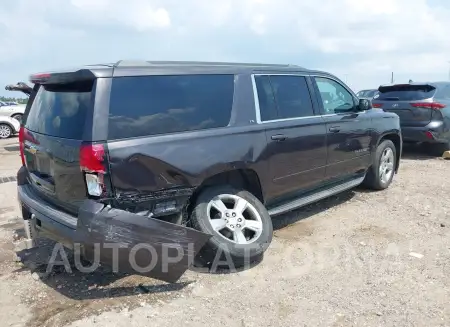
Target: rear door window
(150,105)
(60,110)
(405,92)
(283,96)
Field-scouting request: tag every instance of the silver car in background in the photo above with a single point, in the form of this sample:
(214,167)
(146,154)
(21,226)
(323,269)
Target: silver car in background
(8,127)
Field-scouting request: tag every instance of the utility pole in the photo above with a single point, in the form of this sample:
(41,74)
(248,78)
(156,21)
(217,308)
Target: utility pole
(392,78)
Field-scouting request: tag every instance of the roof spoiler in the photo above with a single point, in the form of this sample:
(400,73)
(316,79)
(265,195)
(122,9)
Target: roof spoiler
(62,77)
(410,87)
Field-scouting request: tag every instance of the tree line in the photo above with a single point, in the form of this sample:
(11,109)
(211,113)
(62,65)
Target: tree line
(11,99)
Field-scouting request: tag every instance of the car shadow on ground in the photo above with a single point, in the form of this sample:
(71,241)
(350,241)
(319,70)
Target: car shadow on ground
(416,152)
(309,211)
(77,285)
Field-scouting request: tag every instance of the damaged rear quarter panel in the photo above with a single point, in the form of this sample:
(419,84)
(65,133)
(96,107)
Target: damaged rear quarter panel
(185,160)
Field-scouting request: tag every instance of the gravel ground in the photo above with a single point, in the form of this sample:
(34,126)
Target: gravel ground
(357,259)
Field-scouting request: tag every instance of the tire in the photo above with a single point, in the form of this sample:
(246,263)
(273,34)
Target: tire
(221,248)
(374,178)
(17,117)
(5,131)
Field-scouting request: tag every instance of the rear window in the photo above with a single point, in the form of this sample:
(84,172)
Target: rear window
(150,105)
(60,109)
(405,92)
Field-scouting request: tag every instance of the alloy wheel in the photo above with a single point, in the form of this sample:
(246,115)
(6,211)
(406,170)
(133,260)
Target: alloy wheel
(234,218)
(386,169)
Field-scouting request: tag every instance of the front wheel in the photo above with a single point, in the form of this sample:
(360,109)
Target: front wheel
(5,131)
(381,173)
(240,224)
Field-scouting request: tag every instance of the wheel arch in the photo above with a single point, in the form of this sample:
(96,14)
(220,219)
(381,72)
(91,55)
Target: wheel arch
(246,179)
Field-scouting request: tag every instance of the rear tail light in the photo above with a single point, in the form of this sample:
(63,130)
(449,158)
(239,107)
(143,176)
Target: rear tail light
(22,144)
(377,105)
(428,105)
(93,164)
(25,135)
(429,135)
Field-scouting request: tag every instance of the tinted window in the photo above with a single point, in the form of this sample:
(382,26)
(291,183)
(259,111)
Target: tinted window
(405,92)
(291,95)
(335,97)
(60,110)
(149,105)
(267,105)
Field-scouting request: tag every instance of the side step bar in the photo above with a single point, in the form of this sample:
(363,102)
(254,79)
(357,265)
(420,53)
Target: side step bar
(300,202)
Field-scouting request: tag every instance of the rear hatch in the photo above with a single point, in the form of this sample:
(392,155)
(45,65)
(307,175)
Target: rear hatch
(413,103)
(52,137)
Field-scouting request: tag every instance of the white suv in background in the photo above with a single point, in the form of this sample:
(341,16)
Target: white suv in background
(14,111)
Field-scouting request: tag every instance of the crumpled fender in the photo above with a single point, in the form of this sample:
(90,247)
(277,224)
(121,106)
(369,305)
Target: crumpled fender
(130,243)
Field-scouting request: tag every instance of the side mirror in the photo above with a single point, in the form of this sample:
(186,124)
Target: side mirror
(364,104)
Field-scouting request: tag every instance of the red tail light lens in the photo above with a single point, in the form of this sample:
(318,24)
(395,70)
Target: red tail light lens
(428,105)
(429,135)
(22,144)
(93,164)
(92,158)
(377,105)
(36,78)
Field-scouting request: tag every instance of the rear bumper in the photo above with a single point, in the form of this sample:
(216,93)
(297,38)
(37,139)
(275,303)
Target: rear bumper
(47,221)
(434,132)
(100,231)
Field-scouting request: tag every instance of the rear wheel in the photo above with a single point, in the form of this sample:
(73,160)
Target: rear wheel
(239,222)
(380,174)
(5,131)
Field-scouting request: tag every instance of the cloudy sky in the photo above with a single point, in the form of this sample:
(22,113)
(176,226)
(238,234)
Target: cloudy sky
(362,41)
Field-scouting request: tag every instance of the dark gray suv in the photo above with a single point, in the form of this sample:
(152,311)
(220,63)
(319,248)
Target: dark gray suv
(191,157)
(424,111)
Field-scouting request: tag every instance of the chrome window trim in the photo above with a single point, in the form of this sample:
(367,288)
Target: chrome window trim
(256,100)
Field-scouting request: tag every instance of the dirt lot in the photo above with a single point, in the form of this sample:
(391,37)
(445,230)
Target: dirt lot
(357,259)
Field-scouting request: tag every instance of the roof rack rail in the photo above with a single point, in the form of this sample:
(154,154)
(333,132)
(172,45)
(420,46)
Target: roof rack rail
(141,63)
(132,63)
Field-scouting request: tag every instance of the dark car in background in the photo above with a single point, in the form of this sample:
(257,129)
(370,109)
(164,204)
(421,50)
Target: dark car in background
(367,94)
(424,111)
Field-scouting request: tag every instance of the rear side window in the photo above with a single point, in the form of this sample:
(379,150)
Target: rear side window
(149,105)
(287,93)
(405,92)
(60,109)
